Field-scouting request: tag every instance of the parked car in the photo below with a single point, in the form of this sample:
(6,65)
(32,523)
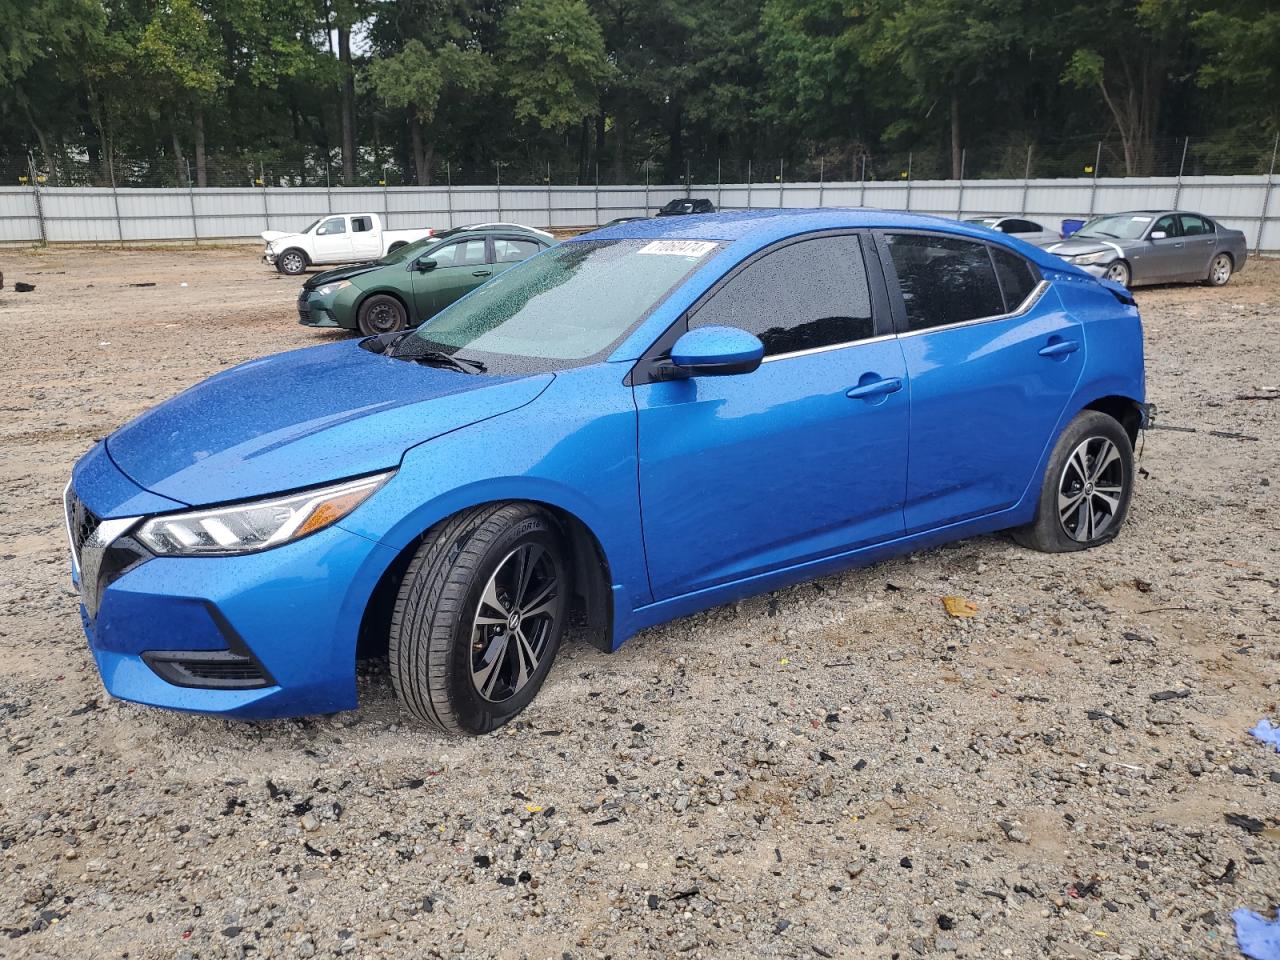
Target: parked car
(417,280)
(1156,246)
(601,433)
(1031,231)
(684,206)
(550,238)
(617,220)
(341,238)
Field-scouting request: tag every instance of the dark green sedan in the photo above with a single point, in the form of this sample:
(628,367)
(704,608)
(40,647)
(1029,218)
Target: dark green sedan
(415,281)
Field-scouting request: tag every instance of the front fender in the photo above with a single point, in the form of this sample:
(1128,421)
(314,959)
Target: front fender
(573,448)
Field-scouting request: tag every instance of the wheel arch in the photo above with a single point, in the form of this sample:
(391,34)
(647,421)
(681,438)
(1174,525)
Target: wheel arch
(592,580)
(1124,409)
(360,301)
(306,257)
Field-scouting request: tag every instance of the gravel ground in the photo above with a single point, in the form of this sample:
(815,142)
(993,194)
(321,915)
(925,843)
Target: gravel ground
(836,770)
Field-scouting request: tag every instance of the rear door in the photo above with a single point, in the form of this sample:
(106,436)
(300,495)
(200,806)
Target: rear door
(801,459)
(992,362)
(508,251)
(332,241)
(366,238)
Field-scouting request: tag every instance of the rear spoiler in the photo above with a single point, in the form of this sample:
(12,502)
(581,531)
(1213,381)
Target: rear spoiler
(1119,291)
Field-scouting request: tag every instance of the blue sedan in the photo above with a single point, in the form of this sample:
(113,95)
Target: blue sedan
(641,423)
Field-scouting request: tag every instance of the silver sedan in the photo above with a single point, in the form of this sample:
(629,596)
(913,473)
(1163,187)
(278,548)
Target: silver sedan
(1156,246)
(1032,231)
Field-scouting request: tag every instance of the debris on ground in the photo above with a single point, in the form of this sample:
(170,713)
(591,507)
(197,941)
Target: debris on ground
(1267,733)
(960,607)
(20,287)
(1258,937)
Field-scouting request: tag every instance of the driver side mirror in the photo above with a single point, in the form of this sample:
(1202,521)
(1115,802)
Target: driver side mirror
(717,351)
(424,265)
(1158,235)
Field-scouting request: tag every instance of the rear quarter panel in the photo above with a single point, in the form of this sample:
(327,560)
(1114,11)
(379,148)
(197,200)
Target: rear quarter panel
(1114,364)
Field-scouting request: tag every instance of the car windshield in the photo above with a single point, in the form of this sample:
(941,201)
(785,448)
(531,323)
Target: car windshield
(309,226)
(411,250)
(561,308)
(1122,226)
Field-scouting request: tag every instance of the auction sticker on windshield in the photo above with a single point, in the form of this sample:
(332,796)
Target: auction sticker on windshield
(678,248)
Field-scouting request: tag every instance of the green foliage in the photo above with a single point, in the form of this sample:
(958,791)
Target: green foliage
(553,61)
(628,84)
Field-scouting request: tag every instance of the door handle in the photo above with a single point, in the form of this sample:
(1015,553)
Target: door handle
(876,388)
(482,273)
(1060,348)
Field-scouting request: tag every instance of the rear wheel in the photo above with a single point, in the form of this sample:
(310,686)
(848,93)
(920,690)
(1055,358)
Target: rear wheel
(291,262)
(1087,485)
(381,314)
(1119,272)
(479,617)
(1220,270)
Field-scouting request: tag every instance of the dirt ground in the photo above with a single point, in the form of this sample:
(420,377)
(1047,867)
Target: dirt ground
(834,770)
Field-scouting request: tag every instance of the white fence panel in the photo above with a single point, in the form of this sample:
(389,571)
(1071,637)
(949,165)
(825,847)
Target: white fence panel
(96,214)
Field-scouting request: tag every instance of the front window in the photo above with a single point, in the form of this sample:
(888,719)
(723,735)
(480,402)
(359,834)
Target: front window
(1125,226)
(330,227)
(561,308)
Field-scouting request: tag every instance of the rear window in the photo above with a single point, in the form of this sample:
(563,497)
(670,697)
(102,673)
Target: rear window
(1017,277)
(944,280)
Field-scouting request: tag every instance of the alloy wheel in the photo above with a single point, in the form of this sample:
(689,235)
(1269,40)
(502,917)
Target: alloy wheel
(1119,273)
(1091,489)
(1220,272)
(515,619)
(293,263)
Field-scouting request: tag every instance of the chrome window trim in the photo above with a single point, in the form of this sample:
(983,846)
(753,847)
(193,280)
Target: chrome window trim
(1023,308)
(828,348)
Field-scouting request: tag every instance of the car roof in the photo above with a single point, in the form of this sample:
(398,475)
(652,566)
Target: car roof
(759,228)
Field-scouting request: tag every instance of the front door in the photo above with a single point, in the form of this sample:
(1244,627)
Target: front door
(1200,243)
(333,243)
(1163,259)
(460,267)
(992,364)
(803,458)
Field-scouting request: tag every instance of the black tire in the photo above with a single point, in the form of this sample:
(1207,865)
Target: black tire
(395,246)
(292,262)
(382,314)
(438,652)
(1073,471)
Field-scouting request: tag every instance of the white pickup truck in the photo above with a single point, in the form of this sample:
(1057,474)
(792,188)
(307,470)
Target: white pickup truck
(338,238)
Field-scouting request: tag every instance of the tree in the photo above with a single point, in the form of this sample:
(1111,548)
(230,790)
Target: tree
(553,60)
(1132,50)
(415,78)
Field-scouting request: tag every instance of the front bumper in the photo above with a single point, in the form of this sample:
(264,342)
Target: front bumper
(316,311)
(255,636)
(269,257)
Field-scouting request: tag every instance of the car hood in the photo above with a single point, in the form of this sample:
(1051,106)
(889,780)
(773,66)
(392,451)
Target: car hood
(271,236)
(301,418)
(1075,246)
(341,273)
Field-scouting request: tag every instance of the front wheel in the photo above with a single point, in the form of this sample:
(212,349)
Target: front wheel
(479,617)
(1084,497)
(291,262)
(1119,272)
(1220,270)
(381,314)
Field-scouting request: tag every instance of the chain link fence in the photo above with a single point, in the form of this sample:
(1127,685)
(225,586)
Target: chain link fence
(1067,157)
(95,199)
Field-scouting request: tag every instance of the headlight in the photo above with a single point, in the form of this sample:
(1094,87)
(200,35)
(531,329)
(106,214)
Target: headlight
(329,288)
(1087,258)
(247,527)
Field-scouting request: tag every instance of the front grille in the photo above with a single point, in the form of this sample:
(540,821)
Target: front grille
(217,669)
(304,308)
(81,523)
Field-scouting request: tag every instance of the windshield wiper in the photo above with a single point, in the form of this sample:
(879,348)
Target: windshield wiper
(440,358)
